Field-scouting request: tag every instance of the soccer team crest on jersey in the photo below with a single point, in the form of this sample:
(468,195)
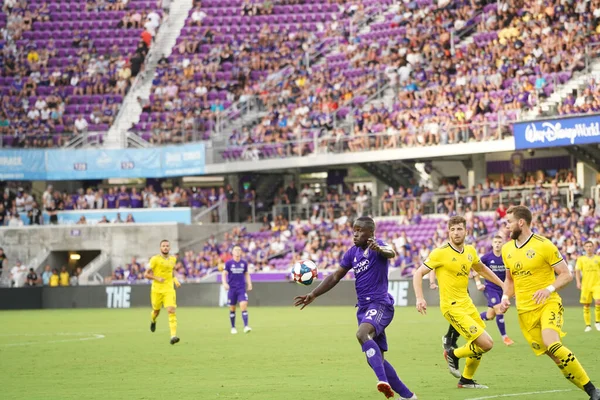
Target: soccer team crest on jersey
(535,346)
(530,254)
(469,257)
(473,329)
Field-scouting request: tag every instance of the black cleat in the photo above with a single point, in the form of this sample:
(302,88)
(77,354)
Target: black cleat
(447,343)
(465,383)
(452,361)
(174,340)
(152,326)
(595,395)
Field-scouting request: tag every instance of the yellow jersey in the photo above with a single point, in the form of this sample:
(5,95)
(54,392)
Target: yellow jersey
(64,279)
(531,266)
(163,267)
(452,268)
(590,271)
(54,280)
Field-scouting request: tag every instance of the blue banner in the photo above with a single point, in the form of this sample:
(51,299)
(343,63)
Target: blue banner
(71,164)
(22,164)
(557,132)
(182,215)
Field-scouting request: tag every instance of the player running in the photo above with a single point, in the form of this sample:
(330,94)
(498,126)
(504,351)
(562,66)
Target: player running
(532,262)
(369,258)
(588,265)
(452,264)
(160,271)
(236,280)
(493,293)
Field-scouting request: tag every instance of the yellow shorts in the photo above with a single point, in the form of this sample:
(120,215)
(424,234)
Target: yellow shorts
(466,321)
(162,299)
(588,293)
(532,323)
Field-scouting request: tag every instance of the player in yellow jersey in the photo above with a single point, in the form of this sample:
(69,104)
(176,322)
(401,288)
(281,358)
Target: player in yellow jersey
(535,271)
(160,271)
(588,265)
(452,263)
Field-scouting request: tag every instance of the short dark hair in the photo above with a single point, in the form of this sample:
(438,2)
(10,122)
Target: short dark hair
(164,240)
(498,237)
(521,212)
(367,221)
(588,241)
(457,220)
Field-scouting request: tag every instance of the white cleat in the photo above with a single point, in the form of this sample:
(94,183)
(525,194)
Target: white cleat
(233,331)
(414,397)
(247,329)
(589,328)
(598,326)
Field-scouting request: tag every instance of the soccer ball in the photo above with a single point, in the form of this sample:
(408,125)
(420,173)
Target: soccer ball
(304,272)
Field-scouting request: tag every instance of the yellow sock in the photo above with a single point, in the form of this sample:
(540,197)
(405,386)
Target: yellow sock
(471,366)
(587,315)
(570,367)
(173,324)
(468,350)
(597,314)
(568,376)
(153,315)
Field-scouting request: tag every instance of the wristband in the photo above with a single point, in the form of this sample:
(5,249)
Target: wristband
(504,297)
(551,289)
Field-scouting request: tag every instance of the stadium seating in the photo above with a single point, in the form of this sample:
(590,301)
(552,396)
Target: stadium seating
(67,69)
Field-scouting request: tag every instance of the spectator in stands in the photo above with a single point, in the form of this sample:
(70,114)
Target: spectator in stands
(46,275)
(64,276)
(32,278)
(74,280)
(3,261)
(54,278)
(18,274)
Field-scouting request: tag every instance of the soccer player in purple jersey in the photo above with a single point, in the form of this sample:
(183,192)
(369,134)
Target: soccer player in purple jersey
(236,280)
(369,258)
(493,292)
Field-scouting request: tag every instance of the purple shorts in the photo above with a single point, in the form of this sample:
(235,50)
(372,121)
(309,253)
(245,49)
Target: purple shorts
(235,296)
(380,315)
(493,294)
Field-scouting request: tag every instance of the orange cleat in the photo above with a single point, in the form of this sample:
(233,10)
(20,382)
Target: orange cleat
(386,389)
(508,341)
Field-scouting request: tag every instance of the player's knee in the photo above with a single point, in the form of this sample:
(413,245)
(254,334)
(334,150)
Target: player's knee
(362,336)
(588,305)
(597,303)
(486,343)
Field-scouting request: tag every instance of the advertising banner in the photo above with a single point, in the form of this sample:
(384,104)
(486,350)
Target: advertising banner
(557,132)
(182,215)
(22,165)
(71,164)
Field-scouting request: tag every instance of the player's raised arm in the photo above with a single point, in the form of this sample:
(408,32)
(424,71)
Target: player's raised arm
(324,287)
(418,287)
(386,250)
(487,273)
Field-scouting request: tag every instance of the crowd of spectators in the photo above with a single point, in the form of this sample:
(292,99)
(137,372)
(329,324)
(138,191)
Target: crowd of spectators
(66,67)
(22,276)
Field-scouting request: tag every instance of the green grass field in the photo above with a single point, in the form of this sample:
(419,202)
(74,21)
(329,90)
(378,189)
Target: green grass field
(290,355)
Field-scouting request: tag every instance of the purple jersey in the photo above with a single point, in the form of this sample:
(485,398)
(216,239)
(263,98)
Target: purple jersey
(371,272)
(111,201)
(137,201)
(496,264)
(123,200)
(236,273)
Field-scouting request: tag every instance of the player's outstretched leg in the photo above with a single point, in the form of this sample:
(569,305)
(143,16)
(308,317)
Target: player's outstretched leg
(450,339)
(173,325)
(396,383)
(587,317)
(371,349)
(153,316)
(568,364)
